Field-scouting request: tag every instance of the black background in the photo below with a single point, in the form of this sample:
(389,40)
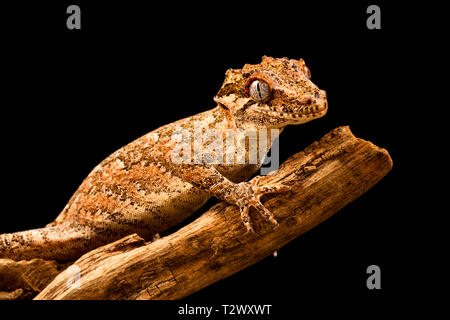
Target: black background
(75,96)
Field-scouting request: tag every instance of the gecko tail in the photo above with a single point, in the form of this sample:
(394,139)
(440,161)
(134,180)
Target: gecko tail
(62,242)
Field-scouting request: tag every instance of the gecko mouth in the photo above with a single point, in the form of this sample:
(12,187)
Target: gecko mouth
(305,113)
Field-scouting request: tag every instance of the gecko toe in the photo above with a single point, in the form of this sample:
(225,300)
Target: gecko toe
(245,217)
(267,214)
(272,189)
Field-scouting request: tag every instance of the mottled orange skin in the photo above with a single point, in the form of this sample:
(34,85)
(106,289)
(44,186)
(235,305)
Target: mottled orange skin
(140,189)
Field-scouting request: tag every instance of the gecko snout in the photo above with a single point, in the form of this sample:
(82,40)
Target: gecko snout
(320,101)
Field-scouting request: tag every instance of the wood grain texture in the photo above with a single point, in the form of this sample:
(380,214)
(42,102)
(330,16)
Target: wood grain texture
(22,280)
(323,178)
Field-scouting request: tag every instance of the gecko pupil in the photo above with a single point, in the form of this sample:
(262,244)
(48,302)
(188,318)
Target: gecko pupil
(259,90)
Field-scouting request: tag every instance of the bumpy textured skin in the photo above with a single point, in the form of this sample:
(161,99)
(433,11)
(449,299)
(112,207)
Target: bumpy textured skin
(140,189)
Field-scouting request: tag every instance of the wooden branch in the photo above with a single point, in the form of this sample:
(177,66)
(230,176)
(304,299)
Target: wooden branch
(25,279)
(324,178)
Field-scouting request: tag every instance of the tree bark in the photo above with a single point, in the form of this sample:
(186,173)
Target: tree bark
(22,280)
(324,178)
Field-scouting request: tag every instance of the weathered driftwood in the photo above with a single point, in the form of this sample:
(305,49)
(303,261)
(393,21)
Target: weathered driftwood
(324,178)
(25,279)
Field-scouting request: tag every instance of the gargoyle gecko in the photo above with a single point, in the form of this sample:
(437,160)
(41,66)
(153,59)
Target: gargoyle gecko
(140,189)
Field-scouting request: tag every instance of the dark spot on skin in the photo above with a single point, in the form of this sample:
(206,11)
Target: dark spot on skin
(223,106)
(232,87)
(248,104)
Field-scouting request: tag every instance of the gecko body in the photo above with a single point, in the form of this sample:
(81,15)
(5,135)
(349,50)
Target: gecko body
(141,189)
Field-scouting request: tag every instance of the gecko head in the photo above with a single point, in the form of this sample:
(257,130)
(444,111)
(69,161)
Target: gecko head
(273,93)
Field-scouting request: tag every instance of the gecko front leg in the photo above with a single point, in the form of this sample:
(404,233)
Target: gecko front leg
(251,197)
(244,194)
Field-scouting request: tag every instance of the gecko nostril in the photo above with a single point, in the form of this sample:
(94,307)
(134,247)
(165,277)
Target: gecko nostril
(316,95)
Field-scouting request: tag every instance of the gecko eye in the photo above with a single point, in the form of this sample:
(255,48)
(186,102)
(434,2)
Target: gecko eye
(307,72)
(259,90)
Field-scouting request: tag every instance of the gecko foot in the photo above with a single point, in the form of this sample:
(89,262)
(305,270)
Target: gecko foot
(250,197)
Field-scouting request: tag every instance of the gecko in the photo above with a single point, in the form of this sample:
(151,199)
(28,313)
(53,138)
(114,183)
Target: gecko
(141,189)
